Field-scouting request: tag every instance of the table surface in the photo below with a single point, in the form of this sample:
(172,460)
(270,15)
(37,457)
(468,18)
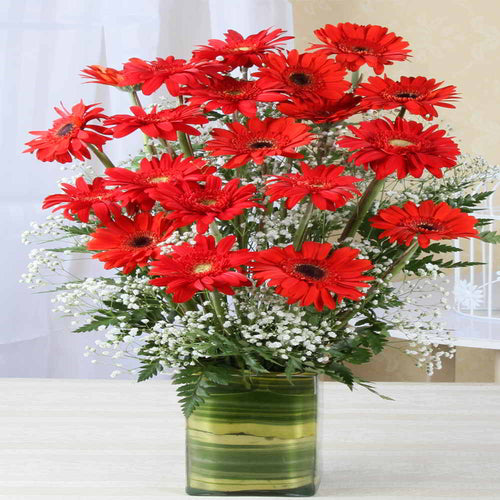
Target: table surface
(113,439)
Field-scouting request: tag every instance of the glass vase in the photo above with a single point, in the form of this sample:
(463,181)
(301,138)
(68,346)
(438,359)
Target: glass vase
(256,436)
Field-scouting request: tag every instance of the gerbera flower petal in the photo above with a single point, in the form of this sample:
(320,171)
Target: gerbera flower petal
(354,45)
(206,265)
(135,188)
(329,189)
(237,50)
(80,199)
(104,76)
(427,221)
(315,275)
(172,72)
(258,139)
(418,95)
(322,110)
(129,243)
(304,76)
(403,147)
(190,202)
(68,137)
(232,95)
(162,124)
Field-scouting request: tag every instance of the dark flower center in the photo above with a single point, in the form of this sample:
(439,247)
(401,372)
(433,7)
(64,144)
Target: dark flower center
(360,50)
(407,95)
(140,241)
(310,271)
(300,78)
(424,226)
(65,130)
(261,144)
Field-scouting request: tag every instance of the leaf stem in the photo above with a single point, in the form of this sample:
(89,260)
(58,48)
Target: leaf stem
(185,144)
(301,231)
(103,157)
(137,102)
(217,305)
(214,229)
(364,204)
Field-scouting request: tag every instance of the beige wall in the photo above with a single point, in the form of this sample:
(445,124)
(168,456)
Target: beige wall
(455,41)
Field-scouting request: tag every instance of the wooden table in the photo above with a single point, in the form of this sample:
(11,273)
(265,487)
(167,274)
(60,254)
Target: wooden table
(112,439)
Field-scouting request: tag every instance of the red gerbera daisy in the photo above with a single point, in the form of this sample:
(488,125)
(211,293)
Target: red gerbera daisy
(190,202)
(258,139)
(136,187)
(164,124)
(403,146)
(321,110)
(329,189)
(427,221)
(232,95)
(315,275)
(418,95)
(103,75)
(203,266)
(236,50)
(81,198)
(170,71)
(129,243)
(354,45)
(304,75)
(70,135)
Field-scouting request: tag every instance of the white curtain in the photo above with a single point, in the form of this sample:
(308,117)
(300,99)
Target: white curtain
(44,45)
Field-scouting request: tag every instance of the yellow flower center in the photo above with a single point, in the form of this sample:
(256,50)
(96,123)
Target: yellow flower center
(208,202)
(204,267)
(400,143)
(157,180)
(243,49)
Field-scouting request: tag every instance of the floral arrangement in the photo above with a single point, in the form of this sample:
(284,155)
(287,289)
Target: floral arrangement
(284,215)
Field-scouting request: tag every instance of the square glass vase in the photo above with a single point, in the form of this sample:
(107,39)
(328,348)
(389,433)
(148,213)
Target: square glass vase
(256,436)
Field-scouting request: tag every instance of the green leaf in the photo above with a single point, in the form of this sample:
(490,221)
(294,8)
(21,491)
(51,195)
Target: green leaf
(358,356)
(490,237)
(77,249)
(452,265)
(441,248)
(99,320)
(194,382)
(366,385)
(293,365)
(149,371)
(339,372)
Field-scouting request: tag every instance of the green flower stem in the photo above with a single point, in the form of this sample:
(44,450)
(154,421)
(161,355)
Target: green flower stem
(356,79)
(362,208)
(301,231)
(401,262)
(402,112)
(135,98)
(185,144)
(216,301)
(215,231)
(103,157)
(394,270)
(137,102)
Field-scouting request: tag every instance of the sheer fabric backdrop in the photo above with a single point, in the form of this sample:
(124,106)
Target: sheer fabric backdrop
(45,44)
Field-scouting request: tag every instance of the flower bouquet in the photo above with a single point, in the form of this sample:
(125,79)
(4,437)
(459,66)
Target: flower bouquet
(274,227)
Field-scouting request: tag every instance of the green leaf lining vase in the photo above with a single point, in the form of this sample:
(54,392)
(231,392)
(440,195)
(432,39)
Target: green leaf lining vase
(255,436)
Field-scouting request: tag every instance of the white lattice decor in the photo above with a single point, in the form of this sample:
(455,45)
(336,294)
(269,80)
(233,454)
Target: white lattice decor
(477,289)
